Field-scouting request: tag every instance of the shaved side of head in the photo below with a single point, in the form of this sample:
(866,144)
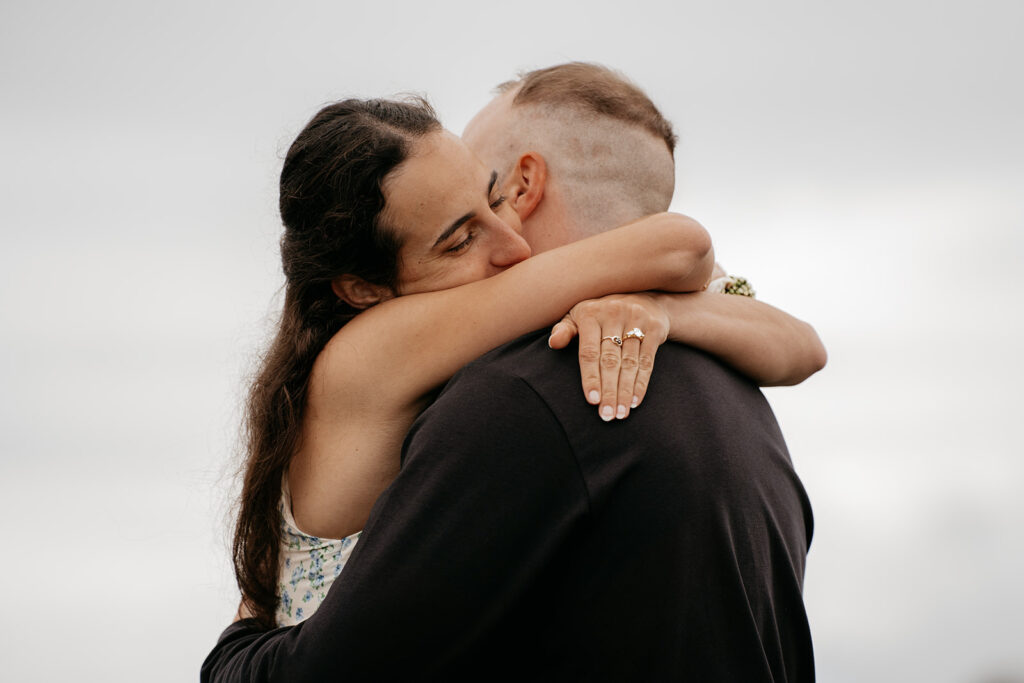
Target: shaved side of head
(608,148)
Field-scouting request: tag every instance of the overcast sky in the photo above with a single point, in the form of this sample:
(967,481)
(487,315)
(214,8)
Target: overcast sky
(862,164)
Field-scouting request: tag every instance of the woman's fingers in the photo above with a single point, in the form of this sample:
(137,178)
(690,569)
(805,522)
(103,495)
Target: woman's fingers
(590,358)
(645,365)
(611,364)
(562,333)
(630,364)
(618,338)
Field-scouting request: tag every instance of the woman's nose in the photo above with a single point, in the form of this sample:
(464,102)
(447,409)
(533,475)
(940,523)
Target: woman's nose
(510,249)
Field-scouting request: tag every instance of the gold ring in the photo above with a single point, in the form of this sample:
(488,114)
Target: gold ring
(635,333)
(615,340)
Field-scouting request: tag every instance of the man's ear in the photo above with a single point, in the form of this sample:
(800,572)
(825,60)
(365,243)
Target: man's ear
(529,176)
(358,293)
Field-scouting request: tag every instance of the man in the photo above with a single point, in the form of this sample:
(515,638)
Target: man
(525,539)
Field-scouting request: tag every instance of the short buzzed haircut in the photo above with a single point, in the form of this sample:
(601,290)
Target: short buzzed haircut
(608,148)
(594,88)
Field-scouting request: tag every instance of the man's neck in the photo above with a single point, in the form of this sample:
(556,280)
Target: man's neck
(551,224)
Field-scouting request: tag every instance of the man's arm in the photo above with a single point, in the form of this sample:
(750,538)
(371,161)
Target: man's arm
(488,490)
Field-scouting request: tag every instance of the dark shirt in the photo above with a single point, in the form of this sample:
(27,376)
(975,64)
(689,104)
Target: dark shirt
(526,540)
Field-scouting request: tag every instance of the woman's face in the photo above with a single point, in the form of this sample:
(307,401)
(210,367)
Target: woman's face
(453,224)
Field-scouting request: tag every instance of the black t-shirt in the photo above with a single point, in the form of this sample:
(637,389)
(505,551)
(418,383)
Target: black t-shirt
(525,539)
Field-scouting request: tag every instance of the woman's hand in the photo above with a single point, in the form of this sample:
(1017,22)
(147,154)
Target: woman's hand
(615,362)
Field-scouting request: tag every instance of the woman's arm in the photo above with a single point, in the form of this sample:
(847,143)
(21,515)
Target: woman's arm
(768,345)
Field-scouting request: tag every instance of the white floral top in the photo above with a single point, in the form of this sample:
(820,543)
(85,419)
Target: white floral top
(309,565)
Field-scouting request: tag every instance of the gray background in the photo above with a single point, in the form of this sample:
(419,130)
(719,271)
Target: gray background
(861,163)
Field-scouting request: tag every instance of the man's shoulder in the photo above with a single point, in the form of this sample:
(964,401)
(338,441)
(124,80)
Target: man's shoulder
(488,399)
(526,361)
(516,357)
(513,364)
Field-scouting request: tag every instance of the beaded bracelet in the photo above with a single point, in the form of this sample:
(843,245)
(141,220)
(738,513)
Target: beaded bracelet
(732,284)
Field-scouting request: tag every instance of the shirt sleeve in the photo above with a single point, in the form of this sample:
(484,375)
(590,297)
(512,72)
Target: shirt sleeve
(488,490)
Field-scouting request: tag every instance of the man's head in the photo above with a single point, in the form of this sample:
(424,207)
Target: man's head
(585,140)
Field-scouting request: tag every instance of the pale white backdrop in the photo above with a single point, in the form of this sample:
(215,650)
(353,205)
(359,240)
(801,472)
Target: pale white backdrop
(862,163)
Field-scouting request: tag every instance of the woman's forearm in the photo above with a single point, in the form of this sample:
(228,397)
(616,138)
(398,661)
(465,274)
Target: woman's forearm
(768,345)
(665,251)
(685,252)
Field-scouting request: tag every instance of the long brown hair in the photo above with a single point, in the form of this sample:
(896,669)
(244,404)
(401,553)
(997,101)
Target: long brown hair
(331,205)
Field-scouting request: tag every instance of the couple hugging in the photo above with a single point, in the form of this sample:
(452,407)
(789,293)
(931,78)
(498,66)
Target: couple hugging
(508,526)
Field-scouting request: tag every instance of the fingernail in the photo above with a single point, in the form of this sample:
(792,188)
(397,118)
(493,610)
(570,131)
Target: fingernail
(594,396)
(607,413)
(549,342)
(621,412)
(635,403)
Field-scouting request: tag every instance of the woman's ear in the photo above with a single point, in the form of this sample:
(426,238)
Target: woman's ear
(358,293)
(526,189)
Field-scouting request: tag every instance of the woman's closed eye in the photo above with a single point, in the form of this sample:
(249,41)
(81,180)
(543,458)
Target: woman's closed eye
(471,234)
(463,243)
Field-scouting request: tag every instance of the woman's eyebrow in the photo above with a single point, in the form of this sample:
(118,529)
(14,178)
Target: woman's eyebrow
(462,219)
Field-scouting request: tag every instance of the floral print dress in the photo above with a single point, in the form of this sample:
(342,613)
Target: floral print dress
(309,565)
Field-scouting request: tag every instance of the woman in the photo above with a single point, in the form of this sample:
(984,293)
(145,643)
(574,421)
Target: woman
(403,263)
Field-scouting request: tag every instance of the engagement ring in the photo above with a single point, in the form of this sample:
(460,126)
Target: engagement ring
(635,333)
